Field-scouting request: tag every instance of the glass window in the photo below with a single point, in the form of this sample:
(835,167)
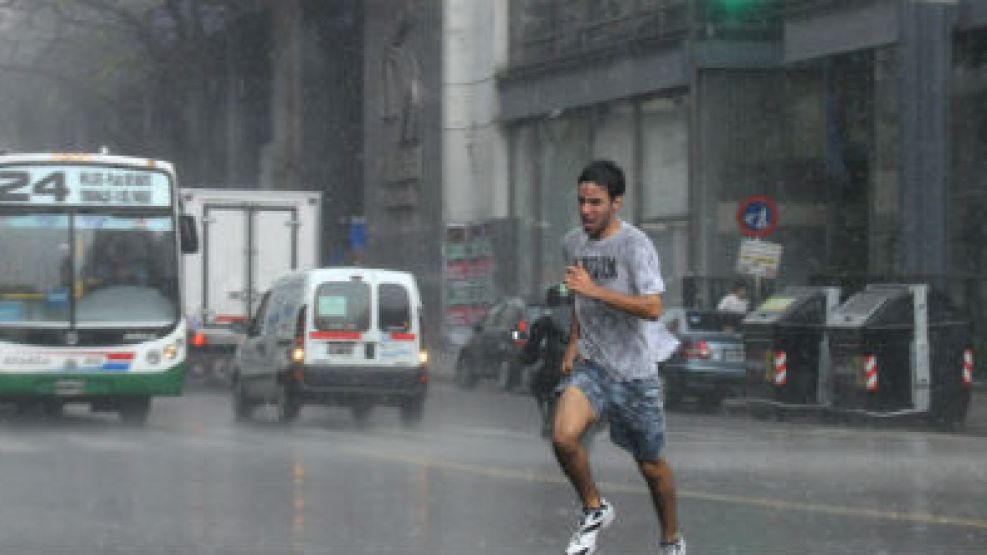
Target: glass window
(342,306)
(257,323)
(510,316)
(524,160)
(126,269)
(613,139)
(36,288)
(665,158)
(394,310)
(565,149)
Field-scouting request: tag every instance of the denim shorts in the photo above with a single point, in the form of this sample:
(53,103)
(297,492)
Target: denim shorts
(634,408)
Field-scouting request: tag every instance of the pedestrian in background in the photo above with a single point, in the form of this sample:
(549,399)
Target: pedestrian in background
(736,300)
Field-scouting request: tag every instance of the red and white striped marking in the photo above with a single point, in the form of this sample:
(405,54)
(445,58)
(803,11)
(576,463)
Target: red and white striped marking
(870,372)
(968,367)
(781,368)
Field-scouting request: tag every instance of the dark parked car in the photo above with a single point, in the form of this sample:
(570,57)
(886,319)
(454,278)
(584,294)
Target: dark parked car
(493,351)
(709,364)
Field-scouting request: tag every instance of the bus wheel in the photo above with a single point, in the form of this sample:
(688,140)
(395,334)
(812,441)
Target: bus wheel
(242,407)
(287,403)
(134,410)
(412,410)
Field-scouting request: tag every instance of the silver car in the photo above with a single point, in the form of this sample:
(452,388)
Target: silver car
(709,364)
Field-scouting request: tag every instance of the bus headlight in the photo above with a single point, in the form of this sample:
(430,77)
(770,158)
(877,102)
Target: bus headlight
(153,357)
(423,357)
(298,354)
(171,351)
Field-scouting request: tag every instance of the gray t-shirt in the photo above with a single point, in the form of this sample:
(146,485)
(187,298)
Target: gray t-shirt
(627,346)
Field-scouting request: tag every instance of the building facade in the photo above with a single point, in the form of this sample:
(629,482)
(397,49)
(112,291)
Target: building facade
(861,120)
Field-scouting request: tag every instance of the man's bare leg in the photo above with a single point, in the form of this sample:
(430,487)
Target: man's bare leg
(573,416)
(661,482)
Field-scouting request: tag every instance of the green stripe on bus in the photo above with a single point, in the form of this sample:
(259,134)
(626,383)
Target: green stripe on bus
(168,382)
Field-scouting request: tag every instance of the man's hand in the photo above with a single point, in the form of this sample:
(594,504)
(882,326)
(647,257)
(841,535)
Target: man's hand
(578,280)
(567,361)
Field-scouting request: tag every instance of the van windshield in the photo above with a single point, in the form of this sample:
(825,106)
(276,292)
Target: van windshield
(342,306)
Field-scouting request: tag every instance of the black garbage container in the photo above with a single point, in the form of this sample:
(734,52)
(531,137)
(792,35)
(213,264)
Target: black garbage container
(897,350)
(784,346)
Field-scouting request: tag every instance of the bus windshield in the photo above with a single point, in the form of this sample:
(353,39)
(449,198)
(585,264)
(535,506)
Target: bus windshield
(121,270)
(126,269)
(86,245)
(35,275)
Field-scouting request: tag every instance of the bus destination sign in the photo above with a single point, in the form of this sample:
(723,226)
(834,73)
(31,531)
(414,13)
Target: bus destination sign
(83,185)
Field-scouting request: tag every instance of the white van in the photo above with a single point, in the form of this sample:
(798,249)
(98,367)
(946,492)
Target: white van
(335,336)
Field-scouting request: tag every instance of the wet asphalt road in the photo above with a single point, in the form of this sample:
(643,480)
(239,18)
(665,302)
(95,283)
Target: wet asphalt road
(475,478)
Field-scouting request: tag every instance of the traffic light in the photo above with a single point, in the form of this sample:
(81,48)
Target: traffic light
(737,7)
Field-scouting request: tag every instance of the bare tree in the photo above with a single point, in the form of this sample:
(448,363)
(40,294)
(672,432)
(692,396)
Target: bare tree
(144,76)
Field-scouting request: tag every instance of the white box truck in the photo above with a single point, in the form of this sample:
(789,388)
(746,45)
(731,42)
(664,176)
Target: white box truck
(248,239)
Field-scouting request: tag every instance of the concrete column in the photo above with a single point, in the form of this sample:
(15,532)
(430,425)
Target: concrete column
(926,61)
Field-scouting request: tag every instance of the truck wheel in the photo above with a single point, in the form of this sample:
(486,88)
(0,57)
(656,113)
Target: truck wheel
(242,407)
(464,376)
(412,411)
(287,403)
(135,410)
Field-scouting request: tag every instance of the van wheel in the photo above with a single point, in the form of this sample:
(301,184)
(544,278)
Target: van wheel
(464,376)
(242,407)
(287,403)
(412,410)
(135,410)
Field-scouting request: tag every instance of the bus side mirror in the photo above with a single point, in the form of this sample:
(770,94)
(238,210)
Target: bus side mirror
(188,234)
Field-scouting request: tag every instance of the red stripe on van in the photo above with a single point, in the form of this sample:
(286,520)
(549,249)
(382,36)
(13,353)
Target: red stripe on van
(346,335)
(229,318)
(398,336)
(119,356)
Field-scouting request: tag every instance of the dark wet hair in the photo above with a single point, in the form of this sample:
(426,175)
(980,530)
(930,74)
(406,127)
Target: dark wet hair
(604,173)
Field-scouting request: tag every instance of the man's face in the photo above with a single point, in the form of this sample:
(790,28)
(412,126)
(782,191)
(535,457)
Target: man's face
(596,209)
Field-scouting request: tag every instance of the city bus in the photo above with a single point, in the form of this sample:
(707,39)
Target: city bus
(90,282)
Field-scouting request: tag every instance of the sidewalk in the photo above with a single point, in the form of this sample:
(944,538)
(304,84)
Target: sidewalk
(975,424)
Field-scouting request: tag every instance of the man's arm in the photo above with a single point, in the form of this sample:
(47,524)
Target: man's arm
(648,307)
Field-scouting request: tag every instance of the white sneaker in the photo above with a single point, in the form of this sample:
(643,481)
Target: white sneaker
(675,548)
(583,542)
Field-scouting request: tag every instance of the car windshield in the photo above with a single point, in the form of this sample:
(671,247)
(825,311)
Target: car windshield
(803,183)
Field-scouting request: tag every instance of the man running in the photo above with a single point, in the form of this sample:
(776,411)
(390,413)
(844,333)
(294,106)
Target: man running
(611,361)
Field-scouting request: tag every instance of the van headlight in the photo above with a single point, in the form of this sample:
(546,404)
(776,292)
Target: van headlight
(153,357)
(171,351)
(423,357)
